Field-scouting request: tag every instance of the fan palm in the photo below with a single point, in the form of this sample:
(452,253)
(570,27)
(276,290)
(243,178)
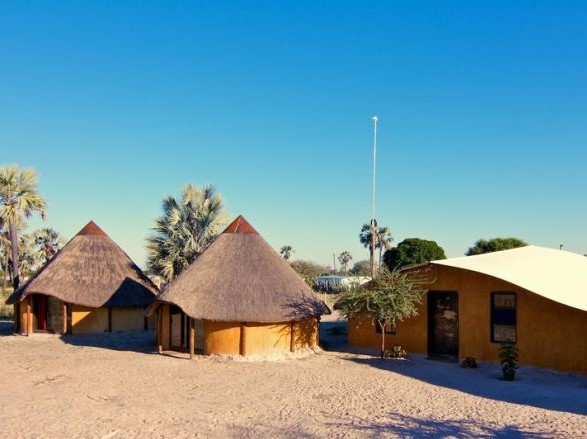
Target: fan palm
(19,198)
(382,239)
(48,241)
(184,230)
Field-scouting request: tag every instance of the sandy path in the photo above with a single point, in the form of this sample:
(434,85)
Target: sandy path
(59,389)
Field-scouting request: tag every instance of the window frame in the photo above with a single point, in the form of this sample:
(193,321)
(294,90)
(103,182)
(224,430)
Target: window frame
(492,315)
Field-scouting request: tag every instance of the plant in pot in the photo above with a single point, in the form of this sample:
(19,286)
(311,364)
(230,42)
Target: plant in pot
(508,356)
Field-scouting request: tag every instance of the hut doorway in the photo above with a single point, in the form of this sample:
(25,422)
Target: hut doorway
(443,324)
(178,329)
(48,314)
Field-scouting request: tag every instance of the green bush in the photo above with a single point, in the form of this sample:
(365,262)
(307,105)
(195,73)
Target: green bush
(396,352)
(469,362)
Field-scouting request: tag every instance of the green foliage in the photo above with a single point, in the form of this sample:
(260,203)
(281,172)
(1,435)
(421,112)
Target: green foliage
(494,245)
(412,251)
(469,362)
(508,356)
(309,270)
(397,353)
(186,228)
(388,299)
(286,251)
(361,268)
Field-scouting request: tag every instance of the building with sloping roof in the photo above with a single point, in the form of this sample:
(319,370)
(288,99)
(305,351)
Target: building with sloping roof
(90,285)
(238,297)
(534,296)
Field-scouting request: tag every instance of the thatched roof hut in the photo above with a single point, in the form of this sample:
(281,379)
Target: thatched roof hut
(90,270)
(241,279)
(90,285)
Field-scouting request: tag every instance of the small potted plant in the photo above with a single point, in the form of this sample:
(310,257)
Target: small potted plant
(508,356)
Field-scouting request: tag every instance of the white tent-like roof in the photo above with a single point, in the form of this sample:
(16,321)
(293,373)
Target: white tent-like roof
(555,274)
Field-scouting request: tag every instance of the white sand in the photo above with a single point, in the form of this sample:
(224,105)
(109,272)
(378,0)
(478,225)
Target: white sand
(56,388)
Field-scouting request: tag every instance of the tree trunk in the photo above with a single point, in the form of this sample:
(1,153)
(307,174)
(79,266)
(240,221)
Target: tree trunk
(382,339)
(14,249)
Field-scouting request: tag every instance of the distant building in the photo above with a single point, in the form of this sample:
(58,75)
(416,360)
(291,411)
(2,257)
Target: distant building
(534,296)
(339,283)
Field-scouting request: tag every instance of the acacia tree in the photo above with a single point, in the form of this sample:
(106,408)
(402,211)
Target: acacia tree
(19,198)
(309,271)
(494,245)
(412,251)
(186,228)
(344,258)
(388,299)
(361,268)
(285,251)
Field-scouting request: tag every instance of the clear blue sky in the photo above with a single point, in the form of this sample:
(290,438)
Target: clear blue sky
(482,112)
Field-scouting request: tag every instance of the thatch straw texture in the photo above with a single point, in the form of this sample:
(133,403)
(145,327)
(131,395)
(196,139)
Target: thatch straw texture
(240,278)
(90,270)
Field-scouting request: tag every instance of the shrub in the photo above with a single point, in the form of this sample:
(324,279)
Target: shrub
(396,352)
(469,362)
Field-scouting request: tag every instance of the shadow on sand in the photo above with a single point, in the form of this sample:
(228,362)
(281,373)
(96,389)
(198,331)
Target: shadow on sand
(533,387)
(136,341)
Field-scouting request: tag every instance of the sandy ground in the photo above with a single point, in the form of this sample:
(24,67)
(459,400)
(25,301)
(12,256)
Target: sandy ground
(115,386)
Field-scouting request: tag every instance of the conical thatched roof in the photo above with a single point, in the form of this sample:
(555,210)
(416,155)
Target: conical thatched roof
(90,270)
(240,278)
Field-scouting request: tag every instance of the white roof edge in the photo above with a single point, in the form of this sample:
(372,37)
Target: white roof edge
(555,274)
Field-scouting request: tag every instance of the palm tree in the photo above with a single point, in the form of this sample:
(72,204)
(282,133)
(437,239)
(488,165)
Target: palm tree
(4,252)
(186,228)
(19,198)
(30,257)
(384,240)
(344,258)
(48,241)
(286,251)
(366,238)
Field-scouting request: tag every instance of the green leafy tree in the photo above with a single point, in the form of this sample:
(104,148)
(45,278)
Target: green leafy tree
(19,198)
(494,245)
(309,271)
(186,228)
(412,251)
(344,258)
(285,251)
(48,241)
(361,268)
(388,299)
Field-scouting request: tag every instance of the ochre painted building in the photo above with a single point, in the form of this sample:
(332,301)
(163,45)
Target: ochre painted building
(534,296)
(238,298)
(90,285)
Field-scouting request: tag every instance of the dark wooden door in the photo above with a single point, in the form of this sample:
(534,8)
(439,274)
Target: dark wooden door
(40,311)
(443,324)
